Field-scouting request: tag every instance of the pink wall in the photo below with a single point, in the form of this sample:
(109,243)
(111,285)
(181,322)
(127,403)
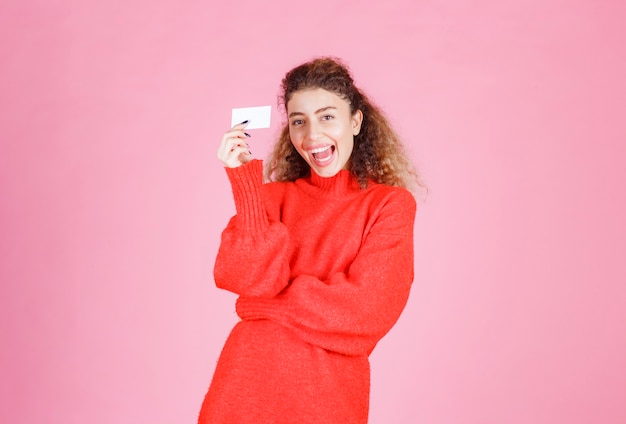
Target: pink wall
(112,200)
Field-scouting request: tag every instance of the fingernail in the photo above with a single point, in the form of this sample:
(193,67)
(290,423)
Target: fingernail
(244,122)
(247,135)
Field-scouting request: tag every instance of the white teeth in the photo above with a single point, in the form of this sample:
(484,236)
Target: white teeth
(320,149)
(328,159)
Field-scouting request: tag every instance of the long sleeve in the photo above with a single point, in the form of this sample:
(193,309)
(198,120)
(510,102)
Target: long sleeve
(253,257)
(350,311)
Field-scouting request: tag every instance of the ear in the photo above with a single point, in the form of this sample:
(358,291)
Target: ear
(356,121)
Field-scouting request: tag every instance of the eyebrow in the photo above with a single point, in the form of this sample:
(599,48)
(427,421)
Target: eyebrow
(323,109)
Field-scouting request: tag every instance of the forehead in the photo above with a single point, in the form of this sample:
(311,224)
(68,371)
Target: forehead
(310,100)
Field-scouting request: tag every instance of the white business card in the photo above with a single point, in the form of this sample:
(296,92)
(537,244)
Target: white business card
(257,117)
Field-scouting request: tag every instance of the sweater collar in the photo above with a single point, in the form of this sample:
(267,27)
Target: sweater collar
(341,184)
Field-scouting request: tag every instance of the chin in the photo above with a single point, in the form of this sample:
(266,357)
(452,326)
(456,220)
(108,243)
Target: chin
(326,172)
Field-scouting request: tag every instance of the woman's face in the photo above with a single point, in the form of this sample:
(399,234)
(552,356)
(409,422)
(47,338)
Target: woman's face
(322,129)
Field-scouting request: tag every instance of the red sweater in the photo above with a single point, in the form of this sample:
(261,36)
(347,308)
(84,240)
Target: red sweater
(323,269)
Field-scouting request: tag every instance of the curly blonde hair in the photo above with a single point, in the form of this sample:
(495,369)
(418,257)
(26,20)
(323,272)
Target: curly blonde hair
(378,153)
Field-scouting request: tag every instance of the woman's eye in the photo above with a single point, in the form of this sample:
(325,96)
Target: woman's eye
(297,122)
(327,117)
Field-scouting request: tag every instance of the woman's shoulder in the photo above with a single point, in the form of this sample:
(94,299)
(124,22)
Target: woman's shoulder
(276,189)
(375,193)
(395,194)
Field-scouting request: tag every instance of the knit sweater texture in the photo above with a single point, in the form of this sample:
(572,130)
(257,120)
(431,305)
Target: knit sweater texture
(323,269)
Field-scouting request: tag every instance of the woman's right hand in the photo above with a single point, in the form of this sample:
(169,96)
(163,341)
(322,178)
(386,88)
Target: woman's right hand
(234,150)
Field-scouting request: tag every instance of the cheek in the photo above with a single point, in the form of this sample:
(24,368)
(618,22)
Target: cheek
(295,141)
(292,136)
(298,136)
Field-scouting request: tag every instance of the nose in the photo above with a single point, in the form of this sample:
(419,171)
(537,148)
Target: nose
(313,131)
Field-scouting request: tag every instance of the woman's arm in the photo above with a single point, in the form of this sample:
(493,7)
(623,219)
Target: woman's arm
(252,259)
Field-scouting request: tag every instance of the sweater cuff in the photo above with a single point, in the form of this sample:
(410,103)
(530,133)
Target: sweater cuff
(246,181)
(255,308)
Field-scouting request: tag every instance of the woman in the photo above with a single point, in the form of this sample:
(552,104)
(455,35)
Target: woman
(321,256)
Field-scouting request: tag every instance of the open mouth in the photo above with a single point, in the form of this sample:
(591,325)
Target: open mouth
(323,155)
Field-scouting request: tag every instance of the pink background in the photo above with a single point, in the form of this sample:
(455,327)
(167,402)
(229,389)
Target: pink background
(112,200)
